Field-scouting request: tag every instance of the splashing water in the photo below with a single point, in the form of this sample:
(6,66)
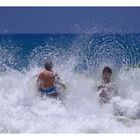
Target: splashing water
(80,66)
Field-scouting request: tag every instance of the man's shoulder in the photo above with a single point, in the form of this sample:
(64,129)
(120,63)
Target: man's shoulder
(49,73)
(42,72)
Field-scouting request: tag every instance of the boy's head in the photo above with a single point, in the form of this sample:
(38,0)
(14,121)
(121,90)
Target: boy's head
(107,72)
(48,65)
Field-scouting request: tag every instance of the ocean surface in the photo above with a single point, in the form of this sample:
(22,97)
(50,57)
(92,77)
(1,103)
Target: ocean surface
(79,60)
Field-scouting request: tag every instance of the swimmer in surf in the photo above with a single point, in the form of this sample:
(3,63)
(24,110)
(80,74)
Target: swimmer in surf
(47,80)
(106,89)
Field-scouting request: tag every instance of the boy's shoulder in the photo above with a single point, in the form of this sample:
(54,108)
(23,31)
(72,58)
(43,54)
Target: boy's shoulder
(111,85)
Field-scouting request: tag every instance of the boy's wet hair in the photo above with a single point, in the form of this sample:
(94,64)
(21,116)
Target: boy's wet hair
(48,65)
(107,69)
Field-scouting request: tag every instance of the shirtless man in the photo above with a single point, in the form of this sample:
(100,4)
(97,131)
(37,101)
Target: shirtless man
(106,90)
(47,80)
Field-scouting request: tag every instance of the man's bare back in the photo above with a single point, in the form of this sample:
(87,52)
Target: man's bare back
(47,80)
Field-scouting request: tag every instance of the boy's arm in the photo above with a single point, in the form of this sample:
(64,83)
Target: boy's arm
(100,87)
(113,89)
(102,94)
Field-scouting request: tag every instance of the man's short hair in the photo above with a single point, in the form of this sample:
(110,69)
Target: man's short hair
(48,65)
(107,69)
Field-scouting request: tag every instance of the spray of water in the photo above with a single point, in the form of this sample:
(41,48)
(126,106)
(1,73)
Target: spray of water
(78,111)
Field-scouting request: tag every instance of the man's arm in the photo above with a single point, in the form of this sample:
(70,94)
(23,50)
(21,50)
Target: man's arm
(59,81)
(40,79)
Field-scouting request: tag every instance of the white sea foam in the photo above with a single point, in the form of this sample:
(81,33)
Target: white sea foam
(23,111)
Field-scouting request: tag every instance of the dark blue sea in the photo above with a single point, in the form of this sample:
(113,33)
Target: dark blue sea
(89,50)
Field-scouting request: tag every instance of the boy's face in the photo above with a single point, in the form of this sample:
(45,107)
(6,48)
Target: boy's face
(106,76)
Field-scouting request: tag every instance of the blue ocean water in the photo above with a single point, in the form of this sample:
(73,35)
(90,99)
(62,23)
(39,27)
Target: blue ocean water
(90,50)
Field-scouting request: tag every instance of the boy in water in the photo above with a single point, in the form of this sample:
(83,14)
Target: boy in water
(121,107)
(47,80)
(106,90)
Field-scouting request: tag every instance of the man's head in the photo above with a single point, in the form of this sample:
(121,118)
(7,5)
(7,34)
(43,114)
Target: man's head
(106,74)
(48,65)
